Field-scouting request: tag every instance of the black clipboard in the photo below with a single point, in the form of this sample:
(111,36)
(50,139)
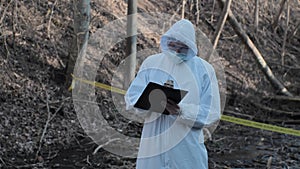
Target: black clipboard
(154,94)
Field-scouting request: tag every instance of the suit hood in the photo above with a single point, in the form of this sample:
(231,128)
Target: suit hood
(184,32)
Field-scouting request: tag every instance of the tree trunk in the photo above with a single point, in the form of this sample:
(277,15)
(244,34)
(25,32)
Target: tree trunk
(81,14)
(131,41)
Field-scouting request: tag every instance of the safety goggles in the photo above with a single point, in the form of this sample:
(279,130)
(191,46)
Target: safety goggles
(177,46)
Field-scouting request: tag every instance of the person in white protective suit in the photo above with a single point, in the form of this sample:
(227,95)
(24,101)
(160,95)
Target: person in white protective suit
(176,141)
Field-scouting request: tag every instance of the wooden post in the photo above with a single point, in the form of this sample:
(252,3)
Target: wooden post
(131,41)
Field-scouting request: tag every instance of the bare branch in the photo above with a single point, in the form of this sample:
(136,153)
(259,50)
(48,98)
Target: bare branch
(4,12)
(280,112)
(46,125)
(275,23)
(191,5)
(221,23)
(294,31)
(3,162)
(6,47)
(176,13)
(256,15)
(284,98)
(183,6)
(269,163)
(50,19)
(105,144)
(238,114)
(285,32)
(198,11)
(14,20)
(212,12)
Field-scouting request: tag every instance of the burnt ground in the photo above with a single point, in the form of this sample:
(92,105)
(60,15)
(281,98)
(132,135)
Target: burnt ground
(38,124)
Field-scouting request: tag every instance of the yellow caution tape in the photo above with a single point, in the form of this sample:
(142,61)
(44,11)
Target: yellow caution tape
(231,119)
(97,84)
(260,125)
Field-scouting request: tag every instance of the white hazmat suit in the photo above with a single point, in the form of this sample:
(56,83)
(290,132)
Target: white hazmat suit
(176,141)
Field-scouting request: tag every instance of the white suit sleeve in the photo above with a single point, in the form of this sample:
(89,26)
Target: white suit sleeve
(208,111)
(134,92)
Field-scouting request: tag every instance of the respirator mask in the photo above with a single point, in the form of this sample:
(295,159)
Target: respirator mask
(177,49)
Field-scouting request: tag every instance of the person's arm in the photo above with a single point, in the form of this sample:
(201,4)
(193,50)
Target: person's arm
(134,92)
(207,112)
